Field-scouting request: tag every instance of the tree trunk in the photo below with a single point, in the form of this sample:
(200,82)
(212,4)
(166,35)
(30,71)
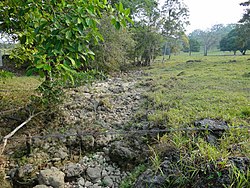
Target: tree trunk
(164,52)
(205,50)
(169,53)
(1,60)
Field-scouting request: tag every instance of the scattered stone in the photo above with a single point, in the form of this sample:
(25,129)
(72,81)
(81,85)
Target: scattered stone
(73,170)
(216,127)
(88,184)
(94,173)
(25,170)
(242,163)
(107,181)
(81,182)
(120,152)
(60,153)
(148,179)
(51,177)
(42,186)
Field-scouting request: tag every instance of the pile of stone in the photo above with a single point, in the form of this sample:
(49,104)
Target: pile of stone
(95,171)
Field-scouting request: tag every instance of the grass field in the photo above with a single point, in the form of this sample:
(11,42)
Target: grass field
(189,88)
(16,91)
(206,87)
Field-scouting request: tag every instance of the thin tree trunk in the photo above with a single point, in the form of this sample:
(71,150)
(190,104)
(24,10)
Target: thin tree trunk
(205,50)
(164,52)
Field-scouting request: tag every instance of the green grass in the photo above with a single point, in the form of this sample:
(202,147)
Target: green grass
(16,91)
(213,88)
(181,91)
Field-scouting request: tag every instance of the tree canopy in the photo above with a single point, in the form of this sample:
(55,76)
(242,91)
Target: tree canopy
(55,36)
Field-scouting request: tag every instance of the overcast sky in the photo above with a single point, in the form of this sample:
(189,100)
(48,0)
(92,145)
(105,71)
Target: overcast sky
(205,13)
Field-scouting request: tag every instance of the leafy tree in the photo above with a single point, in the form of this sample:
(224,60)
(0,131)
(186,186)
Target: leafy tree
(194,46)
(246,15)
(230,42)
(146,32)
(236,40)
(174,16)
(114,51)
(210,38)
(55,36)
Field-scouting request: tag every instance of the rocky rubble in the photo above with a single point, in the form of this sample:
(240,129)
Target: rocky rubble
(87,160)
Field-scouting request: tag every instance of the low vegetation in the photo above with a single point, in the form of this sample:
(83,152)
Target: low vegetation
(187,89)
(15,92)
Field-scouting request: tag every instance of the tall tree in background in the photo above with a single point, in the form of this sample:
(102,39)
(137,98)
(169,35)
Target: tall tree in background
(174,16)
(210,38)
(146,32)
(246,16)
(114,51)
(193,46)
(237,39)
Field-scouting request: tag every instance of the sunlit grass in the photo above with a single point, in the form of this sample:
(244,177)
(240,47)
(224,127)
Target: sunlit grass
(189,88)
(215,87)
(16,91)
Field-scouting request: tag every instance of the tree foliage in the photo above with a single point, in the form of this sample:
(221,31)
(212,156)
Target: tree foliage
(55,36)
(246,15)
(115,50)
(175,16)
(193,46)
(237,39)
(209,39)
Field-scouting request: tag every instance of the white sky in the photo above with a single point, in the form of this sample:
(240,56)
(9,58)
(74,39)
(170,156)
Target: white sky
(206,13)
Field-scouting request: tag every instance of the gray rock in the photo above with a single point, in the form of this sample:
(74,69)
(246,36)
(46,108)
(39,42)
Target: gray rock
(217,127)
(88,184)
(25,170)
(110,170)
(121,153)
(242,163)
(88,142)
(42,186)
(94,173)
(149,180)
(60,153)
(81,182)
(107,181)
(73,170)
(51,177)
(95,186)
(104,173)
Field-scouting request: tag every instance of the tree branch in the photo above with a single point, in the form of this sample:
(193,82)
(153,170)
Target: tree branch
(5,139)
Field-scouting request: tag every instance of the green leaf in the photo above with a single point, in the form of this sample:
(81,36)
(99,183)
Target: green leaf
(127,12)
(120,7)
(68,34)
(117,25)
(79,20)
(72,60)
(39,66)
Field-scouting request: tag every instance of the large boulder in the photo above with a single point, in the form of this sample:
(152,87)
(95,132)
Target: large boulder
(51,177)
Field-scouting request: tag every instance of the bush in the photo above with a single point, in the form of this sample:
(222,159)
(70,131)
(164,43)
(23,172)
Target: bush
(6,74)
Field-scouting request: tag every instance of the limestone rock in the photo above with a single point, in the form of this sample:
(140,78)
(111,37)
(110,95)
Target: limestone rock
(73,170)
(107,181)
(51,177)
(42,186)
(94,173)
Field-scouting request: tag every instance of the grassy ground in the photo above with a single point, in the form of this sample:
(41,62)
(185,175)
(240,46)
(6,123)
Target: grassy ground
(16,91)
(206,87)
(185,89)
